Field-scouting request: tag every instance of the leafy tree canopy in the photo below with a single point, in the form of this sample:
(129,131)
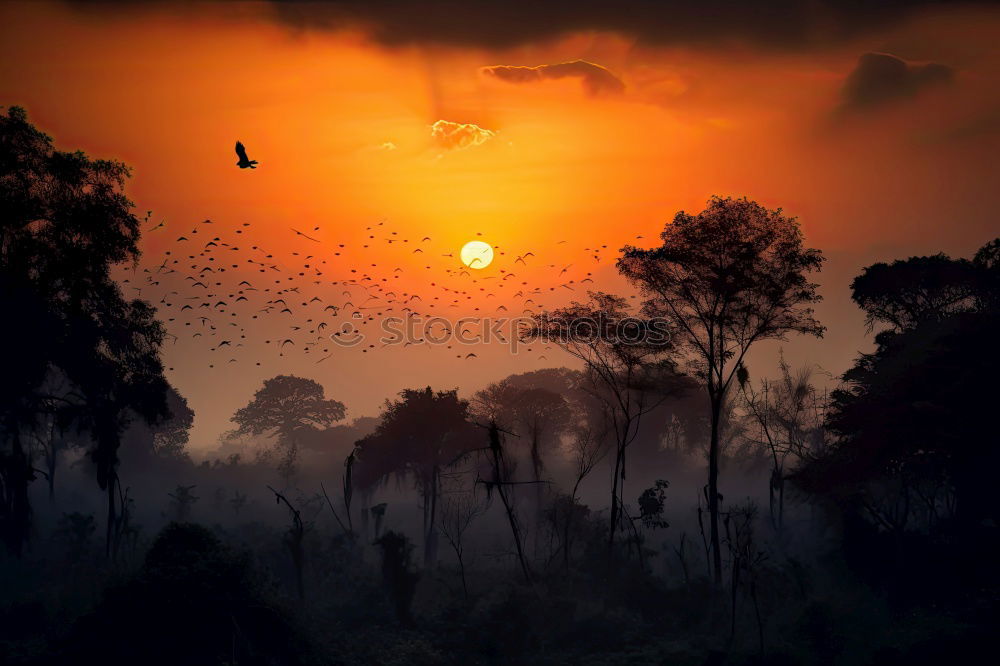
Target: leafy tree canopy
(65,222)
(916,439)
(422,431)
(727,277)
(287,405)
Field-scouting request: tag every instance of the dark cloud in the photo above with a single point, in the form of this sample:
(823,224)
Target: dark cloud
(880,78)
(596,79)
(776,24)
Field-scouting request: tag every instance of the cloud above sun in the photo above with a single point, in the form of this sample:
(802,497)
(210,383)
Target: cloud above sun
(452,136)
(596,80)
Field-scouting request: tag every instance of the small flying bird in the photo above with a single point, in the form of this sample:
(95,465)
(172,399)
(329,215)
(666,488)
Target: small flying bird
(245,162)
(299,233)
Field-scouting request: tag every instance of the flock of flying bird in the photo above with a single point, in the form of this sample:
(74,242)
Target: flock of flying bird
(220,287)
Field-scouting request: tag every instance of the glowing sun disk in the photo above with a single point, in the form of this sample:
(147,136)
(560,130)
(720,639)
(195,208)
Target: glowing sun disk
(477,254)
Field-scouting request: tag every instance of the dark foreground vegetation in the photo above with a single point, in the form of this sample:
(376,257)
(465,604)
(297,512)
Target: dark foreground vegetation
(664,504)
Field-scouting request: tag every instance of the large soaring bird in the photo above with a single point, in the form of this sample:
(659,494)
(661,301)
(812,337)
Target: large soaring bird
(245,161)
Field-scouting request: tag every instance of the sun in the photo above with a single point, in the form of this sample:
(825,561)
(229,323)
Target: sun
(477,254)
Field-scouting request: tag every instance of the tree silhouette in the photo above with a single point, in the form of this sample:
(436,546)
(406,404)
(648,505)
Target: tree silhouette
(287,408)
(459,508)
(915,434)
(651,509)
(76,530)
(237,502)
(786,416)
(347,495)
(628,369)
(294,539)
(64,223)
(194,600)
(146,444)
(54,435)
(588,446)
(418,436)
(182,500)
(540,416)
(907,292)
(171,435)
(730,276)
(122,379)
(398,573)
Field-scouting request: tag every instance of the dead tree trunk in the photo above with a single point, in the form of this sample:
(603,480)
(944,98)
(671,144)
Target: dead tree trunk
(713,491)
(500,484)
(294,539)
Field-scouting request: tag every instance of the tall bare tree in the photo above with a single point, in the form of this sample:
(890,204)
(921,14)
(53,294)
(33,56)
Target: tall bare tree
(588,446)
(785,416)
(538,415)
(459,508)
(628,368)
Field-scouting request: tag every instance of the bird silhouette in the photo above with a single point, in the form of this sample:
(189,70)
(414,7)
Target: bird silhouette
(245,162)
(299,233)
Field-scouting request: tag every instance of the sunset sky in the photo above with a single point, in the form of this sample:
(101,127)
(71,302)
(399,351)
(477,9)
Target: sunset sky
(878,157)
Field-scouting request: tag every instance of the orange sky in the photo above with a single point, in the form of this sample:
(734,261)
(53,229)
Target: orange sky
(341,127)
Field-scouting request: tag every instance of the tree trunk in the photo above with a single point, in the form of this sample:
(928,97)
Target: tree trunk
(680,556)
(772,500)
(614,506)
(566,530)
(536,469)
(430,534)
(364,518)
(713,492)
(51,464)
(52,458)
(109,536)
(781,500)
(427,513)
(515,530)
(496,451)
(15,516)
(461,571)
(760,621)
